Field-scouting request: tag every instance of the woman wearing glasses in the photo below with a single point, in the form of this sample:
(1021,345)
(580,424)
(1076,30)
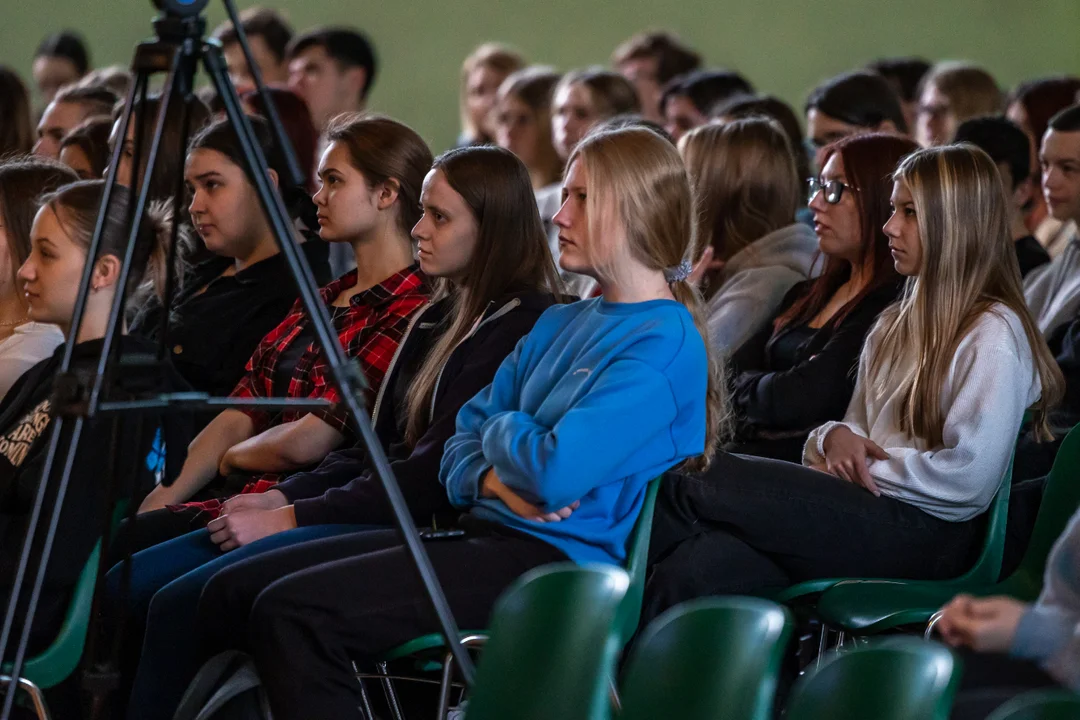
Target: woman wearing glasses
(795,374)
(751,251)
(895,489)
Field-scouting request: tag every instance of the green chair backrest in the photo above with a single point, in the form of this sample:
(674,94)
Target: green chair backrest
(1040,705)
(897,679)
(637,560)
(987,567)
(551,647)
(1061,498)
(708,658)
(60,659)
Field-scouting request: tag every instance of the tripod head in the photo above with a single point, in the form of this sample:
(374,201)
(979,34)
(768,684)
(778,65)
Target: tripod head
(181,8)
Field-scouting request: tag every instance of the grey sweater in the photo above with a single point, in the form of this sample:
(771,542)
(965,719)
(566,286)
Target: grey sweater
(1052,291)
(754,283)
(1049,632)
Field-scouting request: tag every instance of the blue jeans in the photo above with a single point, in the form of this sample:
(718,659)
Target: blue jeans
(166,582)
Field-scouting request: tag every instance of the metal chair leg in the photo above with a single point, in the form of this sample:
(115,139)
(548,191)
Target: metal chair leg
(823,645)
(36,696)
(930,625)
(840,637)
(445,687)
(391,693)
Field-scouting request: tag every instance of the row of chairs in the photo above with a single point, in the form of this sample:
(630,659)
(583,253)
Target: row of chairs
(553,646)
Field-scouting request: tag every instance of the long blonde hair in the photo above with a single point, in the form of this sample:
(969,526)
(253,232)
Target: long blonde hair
(744,183)
(640,175)
(969,265)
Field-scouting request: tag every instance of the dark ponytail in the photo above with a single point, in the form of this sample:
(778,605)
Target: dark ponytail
(220,136)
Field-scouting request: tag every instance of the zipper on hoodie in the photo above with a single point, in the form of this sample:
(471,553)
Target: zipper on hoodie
(494,316)
(393,361)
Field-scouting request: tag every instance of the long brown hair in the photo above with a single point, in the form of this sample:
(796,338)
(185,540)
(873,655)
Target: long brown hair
(23,180)
(969,265)
(641,175)
(383,149)
(744,183)
(16,125)
(511,253)
(869,161)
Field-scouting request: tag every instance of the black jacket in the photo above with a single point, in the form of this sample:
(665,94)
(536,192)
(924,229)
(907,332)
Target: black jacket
(212,334)
(26,423)
(790,400)
(344,489)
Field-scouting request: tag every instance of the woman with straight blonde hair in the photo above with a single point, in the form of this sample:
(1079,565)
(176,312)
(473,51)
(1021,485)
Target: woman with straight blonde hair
(549,463)
(481,75)
(897,487)
(750,250)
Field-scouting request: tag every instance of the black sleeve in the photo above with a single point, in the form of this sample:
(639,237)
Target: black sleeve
(751,355)
(362,500)
(336,469)
(813,391)
(1068,359)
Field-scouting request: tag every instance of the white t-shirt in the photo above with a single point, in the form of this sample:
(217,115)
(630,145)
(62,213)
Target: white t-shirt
(31,343)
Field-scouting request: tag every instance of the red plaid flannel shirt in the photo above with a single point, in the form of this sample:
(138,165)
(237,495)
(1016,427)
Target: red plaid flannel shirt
(370,331)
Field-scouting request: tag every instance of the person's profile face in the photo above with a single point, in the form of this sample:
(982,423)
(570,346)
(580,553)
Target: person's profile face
(1059,159)
(52,73)
(902,229)
(643,73)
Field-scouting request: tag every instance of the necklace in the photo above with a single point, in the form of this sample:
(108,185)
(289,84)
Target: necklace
(14,323)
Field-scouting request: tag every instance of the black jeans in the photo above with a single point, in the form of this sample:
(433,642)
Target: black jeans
(749,525)
(989,680)
(304,612)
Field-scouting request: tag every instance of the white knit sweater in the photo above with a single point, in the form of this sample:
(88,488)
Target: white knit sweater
(991,382)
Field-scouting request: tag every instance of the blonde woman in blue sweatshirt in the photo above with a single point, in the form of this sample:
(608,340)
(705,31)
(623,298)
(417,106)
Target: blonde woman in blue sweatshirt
(550,462)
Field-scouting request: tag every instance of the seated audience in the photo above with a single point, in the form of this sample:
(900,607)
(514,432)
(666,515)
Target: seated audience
(548,463)
(1053,291)
(296,121)
(943,383)
(371,176)
(117,78)
(650,60)
(1031,105)
(1010,647)
(61,59)
(231,301)
(70,107)
(797,372)
(953,92)
(23,342)
(687,101)
(905,74)
(481,75)
(268,35)
(481,235)
(855,102)
(1009,147)
(751,251)
(582,99)
(523,122)
(16,126)
(50,275)
(86,148)
(767,106)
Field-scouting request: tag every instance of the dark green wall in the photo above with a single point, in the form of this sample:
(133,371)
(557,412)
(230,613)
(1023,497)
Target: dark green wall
(783,46)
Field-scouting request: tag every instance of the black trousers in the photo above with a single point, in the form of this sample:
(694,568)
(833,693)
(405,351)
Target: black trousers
(989,680)
(304,612)
(750,525)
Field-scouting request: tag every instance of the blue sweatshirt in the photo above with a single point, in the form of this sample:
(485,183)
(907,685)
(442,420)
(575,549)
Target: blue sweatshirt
(596,401)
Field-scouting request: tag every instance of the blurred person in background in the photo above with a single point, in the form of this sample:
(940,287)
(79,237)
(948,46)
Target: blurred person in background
(650,60)
(481,75)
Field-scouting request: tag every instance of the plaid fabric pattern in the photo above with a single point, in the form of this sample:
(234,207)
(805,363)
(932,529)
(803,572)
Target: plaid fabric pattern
(369,331)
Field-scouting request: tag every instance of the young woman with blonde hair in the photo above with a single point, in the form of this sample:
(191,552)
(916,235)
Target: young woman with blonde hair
(750,250)
(896,488)
(549,463)
(582,100)
(481,75)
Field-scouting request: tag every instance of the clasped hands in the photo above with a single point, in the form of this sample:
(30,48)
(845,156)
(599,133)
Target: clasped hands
(846,454)
(250,517)
(492,487)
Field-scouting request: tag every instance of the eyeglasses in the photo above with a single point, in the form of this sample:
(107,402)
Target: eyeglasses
(834,189)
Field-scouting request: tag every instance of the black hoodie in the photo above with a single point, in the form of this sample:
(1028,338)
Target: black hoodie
(343,489)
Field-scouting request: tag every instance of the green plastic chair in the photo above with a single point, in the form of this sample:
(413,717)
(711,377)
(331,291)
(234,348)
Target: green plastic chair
(867,607)
(986,568)
(637,559)
(898,679)
(706,659)
(551,647)
(1040,705)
